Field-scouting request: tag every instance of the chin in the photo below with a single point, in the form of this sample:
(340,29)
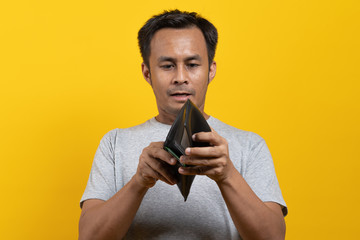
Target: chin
(174,110)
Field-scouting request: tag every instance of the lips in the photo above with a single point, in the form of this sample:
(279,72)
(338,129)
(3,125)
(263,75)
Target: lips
(180,96)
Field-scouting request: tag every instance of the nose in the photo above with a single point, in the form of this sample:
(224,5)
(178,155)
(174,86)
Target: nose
(181,76)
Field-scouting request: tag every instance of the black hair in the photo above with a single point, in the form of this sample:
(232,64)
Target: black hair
(177,19)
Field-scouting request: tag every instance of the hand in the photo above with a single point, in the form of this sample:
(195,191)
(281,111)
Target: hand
(154,164)
(212,161)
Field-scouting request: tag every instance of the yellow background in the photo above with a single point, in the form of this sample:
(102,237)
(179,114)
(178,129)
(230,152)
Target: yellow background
(70,72)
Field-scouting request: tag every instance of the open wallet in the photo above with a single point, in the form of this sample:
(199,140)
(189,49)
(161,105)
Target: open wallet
(188,121)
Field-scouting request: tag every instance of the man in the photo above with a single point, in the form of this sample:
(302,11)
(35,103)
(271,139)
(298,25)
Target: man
(129,193)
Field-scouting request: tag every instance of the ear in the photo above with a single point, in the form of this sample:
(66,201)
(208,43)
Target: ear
(212,71)
(146,73)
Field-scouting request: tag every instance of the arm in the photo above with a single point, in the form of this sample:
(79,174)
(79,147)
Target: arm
(111,219)
(253,218)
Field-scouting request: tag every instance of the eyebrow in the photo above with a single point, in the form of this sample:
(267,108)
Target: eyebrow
(171,59)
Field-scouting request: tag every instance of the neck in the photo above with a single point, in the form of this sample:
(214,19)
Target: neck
(170,118)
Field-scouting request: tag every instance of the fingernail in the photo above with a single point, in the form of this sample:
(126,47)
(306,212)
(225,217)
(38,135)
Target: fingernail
(193,137)
(172,161)
(187,151)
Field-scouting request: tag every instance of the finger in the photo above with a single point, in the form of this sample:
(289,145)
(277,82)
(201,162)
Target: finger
(161,171)
(161,178)
(153,176)
(161,154)
(211,137)
(196,170)
(195,161)
(208,152)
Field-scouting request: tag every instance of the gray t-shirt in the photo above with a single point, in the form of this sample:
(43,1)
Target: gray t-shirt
(163,214)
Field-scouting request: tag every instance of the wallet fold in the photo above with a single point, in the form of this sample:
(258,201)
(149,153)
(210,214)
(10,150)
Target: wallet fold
(188,122)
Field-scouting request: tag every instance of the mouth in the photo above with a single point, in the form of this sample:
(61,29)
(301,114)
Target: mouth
(180,96)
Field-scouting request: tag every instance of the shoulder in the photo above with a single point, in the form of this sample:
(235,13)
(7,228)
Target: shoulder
(118,132)
(119,136)
(111,134)
(233,133)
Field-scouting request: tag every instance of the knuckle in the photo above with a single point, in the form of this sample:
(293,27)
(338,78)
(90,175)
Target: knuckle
(156,152)
(217,172)
(142,158)
(223,164)
(153,145)
(205,161)
(223,149)
(145,151)
(213,151)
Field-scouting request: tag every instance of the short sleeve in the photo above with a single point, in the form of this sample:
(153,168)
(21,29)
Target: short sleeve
(101,182)
(260,173)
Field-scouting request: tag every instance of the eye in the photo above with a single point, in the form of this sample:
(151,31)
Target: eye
(167,66)
(193,65)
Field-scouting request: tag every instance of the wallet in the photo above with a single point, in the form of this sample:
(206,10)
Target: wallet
(188,121)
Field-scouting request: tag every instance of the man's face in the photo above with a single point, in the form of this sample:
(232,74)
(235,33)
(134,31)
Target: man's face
(179,69)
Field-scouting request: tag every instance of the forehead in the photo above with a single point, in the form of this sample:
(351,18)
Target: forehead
(178,43)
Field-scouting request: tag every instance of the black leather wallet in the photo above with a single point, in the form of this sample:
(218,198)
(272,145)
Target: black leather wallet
(188,121)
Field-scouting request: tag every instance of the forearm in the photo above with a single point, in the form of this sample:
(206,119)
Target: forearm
(252,217)
(112,219)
